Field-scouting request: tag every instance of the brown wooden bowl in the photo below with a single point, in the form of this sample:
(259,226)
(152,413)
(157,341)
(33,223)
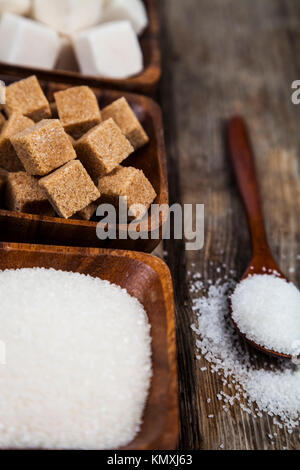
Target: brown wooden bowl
(146,82)
(148,279)
(27,228)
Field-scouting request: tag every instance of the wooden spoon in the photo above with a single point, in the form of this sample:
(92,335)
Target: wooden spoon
(242,160)
(146,278)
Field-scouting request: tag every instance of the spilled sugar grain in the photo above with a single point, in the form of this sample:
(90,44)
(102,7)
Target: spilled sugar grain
(274,390)
(78,361)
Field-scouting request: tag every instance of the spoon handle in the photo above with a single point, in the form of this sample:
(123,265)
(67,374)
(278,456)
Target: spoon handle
(242,159)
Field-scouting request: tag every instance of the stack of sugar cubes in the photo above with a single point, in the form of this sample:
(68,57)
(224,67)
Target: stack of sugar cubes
(64,158)
(99,36)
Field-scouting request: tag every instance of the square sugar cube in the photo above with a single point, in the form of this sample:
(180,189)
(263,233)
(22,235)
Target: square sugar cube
(109,50)
(20,7)
(28,43)
(69,189)
(129,184)
(8,157)
(27,97)
(102,149)
(86,213)
(68,16)
(124,117)
(23,194)
(78,110)
(133,11)
(44,147)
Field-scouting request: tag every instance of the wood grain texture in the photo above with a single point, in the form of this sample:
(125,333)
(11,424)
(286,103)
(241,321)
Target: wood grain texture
(148,279)
(219,59)
(146,82)
(28,228)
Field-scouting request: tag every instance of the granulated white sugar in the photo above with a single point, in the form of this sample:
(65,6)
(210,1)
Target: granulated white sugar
(273,389)
(77,365)
(266,309)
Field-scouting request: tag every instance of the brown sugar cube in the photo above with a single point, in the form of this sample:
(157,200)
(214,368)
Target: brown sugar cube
(27,97)
(69,189)
(44,147)
(8,156)
(2,120)
(73,141)
(23,194)
(78,110)
(86,213)
(124,117)
(102,149)
(129,184)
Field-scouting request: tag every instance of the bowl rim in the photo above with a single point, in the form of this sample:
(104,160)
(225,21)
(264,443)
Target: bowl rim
(168,437)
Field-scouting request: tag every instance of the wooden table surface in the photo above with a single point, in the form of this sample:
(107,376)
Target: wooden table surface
(220,58)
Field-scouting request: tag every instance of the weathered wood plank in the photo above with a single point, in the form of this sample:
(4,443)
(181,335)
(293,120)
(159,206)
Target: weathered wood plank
(220,58)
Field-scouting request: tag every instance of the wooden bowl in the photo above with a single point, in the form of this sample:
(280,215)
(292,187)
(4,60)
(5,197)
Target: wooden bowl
(27,228)
(148,279)
(146,82)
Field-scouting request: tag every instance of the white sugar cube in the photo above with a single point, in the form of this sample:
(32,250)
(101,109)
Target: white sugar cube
(131,10)
(26,42)
(111,50)
(68,16)
(21,7)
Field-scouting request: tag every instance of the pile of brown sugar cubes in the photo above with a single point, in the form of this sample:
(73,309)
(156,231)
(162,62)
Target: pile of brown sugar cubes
(64,158)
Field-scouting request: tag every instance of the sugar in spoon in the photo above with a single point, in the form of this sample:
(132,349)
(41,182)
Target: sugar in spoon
(242,159)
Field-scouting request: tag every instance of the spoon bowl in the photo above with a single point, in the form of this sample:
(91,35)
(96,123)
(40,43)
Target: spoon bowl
(262,263)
